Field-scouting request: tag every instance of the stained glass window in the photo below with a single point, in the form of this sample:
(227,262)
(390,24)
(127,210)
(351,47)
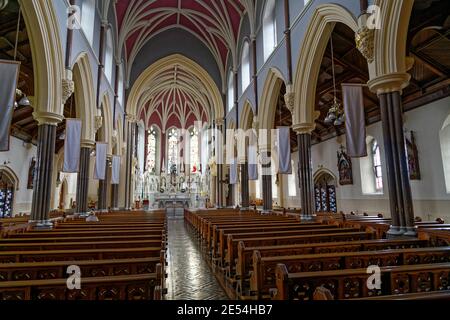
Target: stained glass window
(6,196)
(377,166)
(172,155)
(151,150)
(194,151)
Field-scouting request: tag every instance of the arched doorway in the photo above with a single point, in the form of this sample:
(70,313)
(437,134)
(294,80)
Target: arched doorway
(325,192)
(7,188)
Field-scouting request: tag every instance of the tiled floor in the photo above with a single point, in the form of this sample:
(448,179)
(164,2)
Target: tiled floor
(190,278)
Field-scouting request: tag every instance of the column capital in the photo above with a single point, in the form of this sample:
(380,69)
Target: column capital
(389,82)
(88,144)
(304,128)
(131,118)
(264,148)
(49,118)
(220,121)
(289,98)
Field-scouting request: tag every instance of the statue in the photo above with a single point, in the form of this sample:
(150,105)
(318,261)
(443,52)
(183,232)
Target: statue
(31,174)
(345,168)
(413,157)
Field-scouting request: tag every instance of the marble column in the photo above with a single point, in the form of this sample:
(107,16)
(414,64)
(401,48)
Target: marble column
(305,175)
(131,126)
(389,89)
(103,189)
(83,178)
(266,181)
(42,182)
(245,192)
(219,156)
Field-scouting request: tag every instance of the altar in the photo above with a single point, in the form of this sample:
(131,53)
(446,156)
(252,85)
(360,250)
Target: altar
(172,200)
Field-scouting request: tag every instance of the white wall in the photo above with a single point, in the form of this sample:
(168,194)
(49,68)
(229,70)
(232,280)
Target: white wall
(429,194)
(18,160)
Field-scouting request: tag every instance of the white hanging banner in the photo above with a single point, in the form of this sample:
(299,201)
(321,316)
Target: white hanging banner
(115,171)
(9,74)
(284,150)
(253,162)
(234,171)
(355,120)
(72,146)
(100,161)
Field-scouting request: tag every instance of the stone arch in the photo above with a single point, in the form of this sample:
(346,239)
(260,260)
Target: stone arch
(85,96)
(325,172)
(11,176)
(388,71)
(149,75)
(270,94)
(48,59)
(312,50)
(246,116)
(107,126)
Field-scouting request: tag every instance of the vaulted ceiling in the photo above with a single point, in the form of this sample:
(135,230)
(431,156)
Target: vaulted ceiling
(175,97)
(214,22)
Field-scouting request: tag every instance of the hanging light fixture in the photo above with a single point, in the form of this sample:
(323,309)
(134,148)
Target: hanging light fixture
(335,114)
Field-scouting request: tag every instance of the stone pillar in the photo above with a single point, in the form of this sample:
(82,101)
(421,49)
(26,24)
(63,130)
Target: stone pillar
(305,170)
(103,189)
(42,182)
(129,161)
(115,197)
(389,89)
(245,192)
(83,178)
(266,180)
(219,156)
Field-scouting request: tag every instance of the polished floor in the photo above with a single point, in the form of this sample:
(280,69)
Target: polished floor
(189,276)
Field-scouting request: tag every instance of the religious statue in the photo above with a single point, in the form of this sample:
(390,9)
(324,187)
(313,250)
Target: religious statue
(345,168)
(413,157)
(31,174)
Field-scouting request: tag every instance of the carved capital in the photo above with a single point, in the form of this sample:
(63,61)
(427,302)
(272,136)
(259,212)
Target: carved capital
(98,122)
(364,39)
(131,118)
(220,121)
(68,87)
(289,98)
(114,138)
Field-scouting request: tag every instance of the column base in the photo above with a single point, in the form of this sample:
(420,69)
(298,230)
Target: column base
(266,212)
(411,232)
(42,225)
(307,217)
(245,209)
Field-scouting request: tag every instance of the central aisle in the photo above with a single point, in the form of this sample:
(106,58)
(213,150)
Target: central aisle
(189,277)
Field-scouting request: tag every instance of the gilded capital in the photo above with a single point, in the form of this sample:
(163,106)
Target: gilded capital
(98,122)
(68,88)
(131,118)
(289,99)
(364,39)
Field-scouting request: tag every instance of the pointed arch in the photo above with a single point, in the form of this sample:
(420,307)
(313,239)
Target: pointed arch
(388,71)
(11,175)
(152,73)
(48,59)
(85,95)
(107,121)
(270,94)
(312,50)
(247,116)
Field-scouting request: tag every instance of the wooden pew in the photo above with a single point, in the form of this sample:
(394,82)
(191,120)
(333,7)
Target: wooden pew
(89,268)
(232,243)
(80,254)
(245,254)
(224,237)
(351,284)
(124,287)
(263,275)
